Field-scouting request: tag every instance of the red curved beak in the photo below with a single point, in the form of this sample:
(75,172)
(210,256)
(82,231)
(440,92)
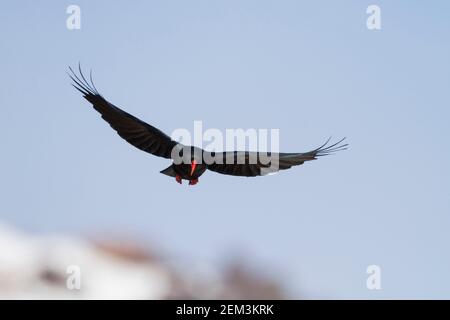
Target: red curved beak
(193,166)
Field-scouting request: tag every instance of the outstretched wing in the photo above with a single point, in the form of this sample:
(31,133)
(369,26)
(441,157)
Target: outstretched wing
(251,164)
(138,133)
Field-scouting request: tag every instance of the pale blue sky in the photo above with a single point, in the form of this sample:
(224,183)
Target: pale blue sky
(311,69)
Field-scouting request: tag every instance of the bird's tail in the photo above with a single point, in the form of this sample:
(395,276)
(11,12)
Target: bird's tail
(169,171)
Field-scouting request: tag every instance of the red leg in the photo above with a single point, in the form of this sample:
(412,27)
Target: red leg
(193,182)
(178,178)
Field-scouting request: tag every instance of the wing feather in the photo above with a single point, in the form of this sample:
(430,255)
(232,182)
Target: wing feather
(253,166)
(135,131)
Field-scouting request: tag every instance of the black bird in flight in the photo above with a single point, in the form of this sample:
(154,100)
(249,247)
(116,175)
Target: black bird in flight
(152,140)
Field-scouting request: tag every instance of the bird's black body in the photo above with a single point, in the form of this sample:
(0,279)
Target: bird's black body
(184,171)
(195,161)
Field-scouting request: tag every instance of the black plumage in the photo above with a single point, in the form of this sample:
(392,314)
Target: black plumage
(152,140)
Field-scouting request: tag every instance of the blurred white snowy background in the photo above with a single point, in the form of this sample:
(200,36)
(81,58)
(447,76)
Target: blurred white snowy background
(35,266)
